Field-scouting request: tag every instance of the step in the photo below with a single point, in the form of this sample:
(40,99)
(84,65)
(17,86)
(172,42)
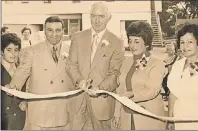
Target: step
(155,26)
(157,44)
(157,39)
(157,35)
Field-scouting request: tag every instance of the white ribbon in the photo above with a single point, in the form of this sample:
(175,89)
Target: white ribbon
(124,100)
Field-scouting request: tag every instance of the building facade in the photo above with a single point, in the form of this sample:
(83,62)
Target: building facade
(75,14)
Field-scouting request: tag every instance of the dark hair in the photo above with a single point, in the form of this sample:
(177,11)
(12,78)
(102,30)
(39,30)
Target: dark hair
(52,19)
(24,29)
(141,29)
(10,38)
(190,28)
(3,29)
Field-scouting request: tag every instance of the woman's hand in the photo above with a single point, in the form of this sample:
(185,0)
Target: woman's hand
(116,122)
(23,105)
(128,94)
(170,126)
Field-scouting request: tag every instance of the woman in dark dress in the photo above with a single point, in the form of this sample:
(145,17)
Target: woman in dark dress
(172,57)
(12,108)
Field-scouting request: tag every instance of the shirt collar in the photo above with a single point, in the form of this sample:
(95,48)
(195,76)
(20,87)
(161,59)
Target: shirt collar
(7,65)
(58,46)
(100,34)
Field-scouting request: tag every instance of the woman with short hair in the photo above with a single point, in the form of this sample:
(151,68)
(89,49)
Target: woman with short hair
(183,79)
(143,80)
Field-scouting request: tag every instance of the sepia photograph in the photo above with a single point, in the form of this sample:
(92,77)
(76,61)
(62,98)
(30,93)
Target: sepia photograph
(99,65)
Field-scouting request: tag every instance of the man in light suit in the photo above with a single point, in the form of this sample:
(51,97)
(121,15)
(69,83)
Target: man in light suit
(95,54)
(44,64)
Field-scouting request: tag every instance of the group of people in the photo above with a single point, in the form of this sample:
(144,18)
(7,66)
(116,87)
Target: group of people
(25,33)
(95,62)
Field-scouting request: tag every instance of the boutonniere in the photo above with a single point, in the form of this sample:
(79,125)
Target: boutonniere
(65,55)
(105,43)
(142,63)
(193,69)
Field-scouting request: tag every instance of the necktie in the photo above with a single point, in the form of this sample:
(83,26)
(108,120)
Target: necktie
(54,55)
(94,46)
(12,69)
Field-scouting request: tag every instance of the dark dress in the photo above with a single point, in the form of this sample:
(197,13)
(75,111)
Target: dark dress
(12,117)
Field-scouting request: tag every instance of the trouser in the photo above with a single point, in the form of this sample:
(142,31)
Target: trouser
(85,119)
(35,127)
(97,124)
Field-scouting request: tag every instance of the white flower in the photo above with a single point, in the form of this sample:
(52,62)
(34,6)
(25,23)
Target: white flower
(105,42)
(142,63)
(65,55)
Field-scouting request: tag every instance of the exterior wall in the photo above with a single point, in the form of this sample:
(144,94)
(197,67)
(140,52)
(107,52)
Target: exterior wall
(56,7)
(35,12)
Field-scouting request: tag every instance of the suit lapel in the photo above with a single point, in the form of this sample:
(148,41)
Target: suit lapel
(86,46)
(48,58)
(101,50)
(61,60)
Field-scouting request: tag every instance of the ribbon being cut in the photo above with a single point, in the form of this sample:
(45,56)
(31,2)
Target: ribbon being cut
(124,100)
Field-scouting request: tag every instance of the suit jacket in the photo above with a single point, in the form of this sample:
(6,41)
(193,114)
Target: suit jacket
(146,85)
(12,117)
(45,77)
(104,70)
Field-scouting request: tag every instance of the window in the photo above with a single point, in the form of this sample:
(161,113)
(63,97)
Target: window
(66,26)
(128,22)
(47,1)
(24,1)
(72,25)
(41,27)
(73,20)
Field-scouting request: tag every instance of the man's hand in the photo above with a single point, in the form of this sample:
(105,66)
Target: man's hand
(170,126)
(23,105)
(92,92)
(81,84)
(85,84)
(128,94)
